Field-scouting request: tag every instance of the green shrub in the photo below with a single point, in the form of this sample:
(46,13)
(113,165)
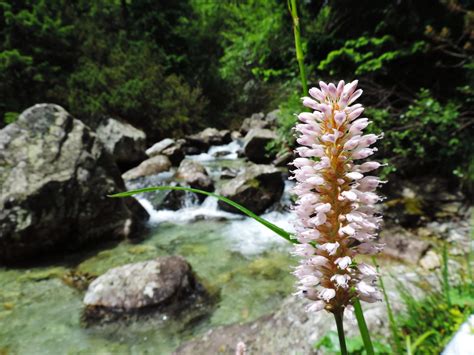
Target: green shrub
(133,85)
(426,135)
(444,320)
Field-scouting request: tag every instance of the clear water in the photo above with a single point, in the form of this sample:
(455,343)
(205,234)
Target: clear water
(240,261)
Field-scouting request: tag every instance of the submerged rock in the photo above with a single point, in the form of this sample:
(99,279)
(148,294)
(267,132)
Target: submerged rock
(151,166)
(165,284)
(257,188)
(255,145)
(55,175)
(125,142)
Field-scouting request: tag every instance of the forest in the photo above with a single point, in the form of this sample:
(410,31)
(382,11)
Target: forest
(190,177)
(175,67)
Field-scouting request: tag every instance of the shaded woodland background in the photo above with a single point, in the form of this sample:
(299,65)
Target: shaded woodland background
(175,67)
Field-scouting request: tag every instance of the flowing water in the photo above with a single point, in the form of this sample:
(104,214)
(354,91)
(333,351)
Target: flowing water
(241,262)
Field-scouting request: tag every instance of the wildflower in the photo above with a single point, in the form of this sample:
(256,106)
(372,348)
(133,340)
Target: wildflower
(335,205)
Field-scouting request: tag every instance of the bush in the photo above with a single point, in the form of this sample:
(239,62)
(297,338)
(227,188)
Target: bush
(132,85)
(426,135)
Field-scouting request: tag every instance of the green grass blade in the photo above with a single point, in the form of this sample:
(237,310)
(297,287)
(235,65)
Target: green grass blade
(445,274)
(281,232)
(364,331)
(421,339)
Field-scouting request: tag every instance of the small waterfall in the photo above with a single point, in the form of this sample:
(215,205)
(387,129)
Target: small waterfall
(188,214)
(244,235)
(219,152)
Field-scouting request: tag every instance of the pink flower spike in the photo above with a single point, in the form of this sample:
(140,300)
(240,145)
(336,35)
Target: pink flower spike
(335,202)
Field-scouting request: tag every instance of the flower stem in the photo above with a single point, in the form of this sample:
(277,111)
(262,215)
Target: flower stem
(340,331)
(298,45)
(364,331)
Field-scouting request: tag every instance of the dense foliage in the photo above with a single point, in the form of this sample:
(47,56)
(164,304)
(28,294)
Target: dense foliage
(172,67)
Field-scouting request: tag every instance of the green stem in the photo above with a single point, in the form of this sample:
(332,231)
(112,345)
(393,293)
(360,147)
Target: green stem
(446,275)
(364,331)
(299,48)
(391,318)
(340,331)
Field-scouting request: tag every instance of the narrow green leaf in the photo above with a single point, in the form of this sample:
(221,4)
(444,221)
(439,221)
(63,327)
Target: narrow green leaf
(421,339)
(281,232)
(364,331)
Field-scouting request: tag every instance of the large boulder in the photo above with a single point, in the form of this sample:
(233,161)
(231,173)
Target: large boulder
(125,142)
(255,145)
(210,136)
(174,150)
(55,175)
(164,284)
(257,188)
(193,174)
(152,166)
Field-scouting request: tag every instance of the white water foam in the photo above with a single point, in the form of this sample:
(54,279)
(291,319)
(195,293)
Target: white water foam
(207,210)
(232,149)
(250,238)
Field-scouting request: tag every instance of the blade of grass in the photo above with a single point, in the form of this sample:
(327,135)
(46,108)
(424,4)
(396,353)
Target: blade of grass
(421,339)
(281,232)
(445,272)
(364,331)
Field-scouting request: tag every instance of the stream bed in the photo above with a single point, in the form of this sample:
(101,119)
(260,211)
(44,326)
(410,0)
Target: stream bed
(244,265)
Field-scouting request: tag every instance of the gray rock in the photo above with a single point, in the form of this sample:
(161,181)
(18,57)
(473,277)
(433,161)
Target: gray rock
(257,120)
(228,173)
(403,245)
(166,283)
(282,160)
(174,150)
(55,175)
(210,136)
(151,166)
(193,174)
(257,188)
(235,135)
(255,144)
(157,148)
(125,142)
(430,261)
(272,116)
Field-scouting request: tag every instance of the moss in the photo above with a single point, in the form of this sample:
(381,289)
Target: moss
(254,183)
(8,306)
(42,274)
(413,206)
(194,249)
(141,249)
(269,267)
